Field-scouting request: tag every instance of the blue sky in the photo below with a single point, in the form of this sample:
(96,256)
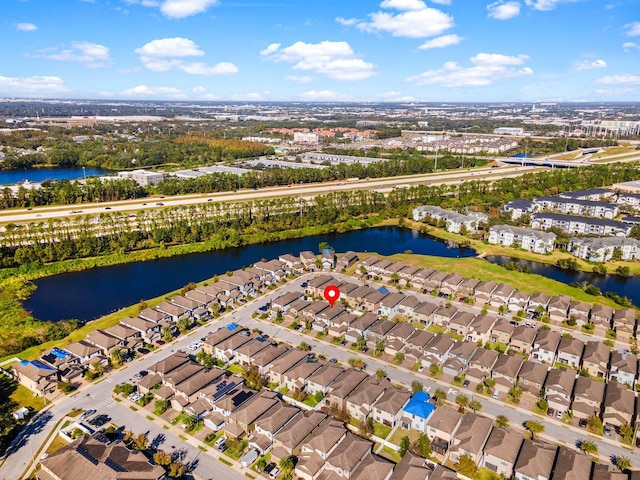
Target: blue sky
(322,50)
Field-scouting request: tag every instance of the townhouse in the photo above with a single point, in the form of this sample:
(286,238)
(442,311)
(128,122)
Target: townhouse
(559,387)
(535,461)
(500,451)
(460,323)
(501,294)
(571,465)
(603,249)
(323,378)
(558,307)
(314,452)
(570,352)
(480,329)
(454,221)
(545,346)
(531,378)
(470,437)
(588,395)
(342,387)
(522,339)
(502,331)
(623,367)
(480,364)
(435,353)
(505,371)
(574,206)
(619,404)
(360,402)
(525,238)
(539,302)
(267,425)
(574,225)
(595,359)
(458,356)
(346,260)
(441,426)
(624,322)
(288,441)
(601,316)
(389,408)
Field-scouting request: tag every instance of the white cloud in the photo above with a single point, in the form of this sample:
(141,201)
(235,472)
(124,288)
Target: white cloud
(403,5)
(411,19)
(199,89)
(26,27)
(299,78)
(91,54)
(629,46)
(347,22)
(546,5)
(143,91)
(487,69)
(441,42)
(587,65)
(394,97)
(170,47)
(165,54)
(503,10)
(177,8)
(620,79)
(29,86)
(442,2)
(335,60)
(633,29)
(323,96)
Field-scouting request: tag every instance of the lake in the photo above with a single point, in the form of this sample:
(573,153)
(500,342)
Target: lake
(36,175)
(90,294)
(625,287)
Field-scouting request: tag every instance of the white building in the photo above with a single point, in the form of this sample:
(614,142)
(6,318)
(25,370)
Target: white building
(454,220)
(306,137)
(580,225)
(518,132)
(531,240)
(602,249)
(142,177)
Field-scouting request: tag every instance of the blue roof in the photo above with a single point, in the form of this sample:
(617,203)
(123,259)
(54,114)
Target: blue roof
(383,290)
(420,406)
(232,326)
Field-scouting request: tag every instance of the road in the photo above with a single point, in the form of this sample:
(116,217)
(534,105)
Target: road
(98,396)
(384,185)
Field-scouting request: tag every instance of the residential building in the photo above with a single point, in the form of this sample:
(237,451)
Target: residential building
(505,371)
(389,408)
(416,412)
(36,376)
(595,358)
(535,461)
(501,450)
(531,378)
(454,221)
(623,367)
(525,238)
(545,346)
(575,225)
(588,395)
(480,364)
(441,426)
(603,249)
(470,437)
(619,404)
(559,388)
(571,465)
(361,401)
(522,339)
(570,352)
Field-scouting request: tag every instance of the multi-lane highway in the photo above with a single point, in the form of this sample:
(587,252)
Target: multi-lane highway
(301,190)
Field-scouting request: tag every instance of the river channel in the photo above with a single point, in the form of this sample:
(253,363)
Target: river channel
(90,294)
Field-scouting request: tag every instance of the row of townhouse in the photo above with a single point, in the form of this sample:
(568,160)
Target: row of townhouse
(604,249)
(70,362)
(428,280)
(575,225)
(525,238)
(454,220)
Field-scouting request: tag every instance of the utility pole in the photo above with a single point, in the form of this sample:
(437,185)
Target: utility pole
(435,165)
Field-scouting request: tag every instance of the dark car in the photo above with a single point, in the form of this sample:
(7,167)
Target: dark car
(466,383)
(222,447)
(269,467)
(333,360)
(143,351)
(160,342)
(582,423)
(143,373)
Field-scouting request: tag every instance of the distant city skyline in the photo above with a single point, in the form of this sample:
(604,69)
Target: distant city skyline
(295,50)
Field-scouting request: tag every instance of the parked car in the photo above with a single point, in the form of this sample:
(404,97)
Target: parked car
(220,441)
(333,360)
(466,383)
(607,430)
(87,414)
(143,351)
(582,423)
(274,473)
(222,447)
(160,342)
(269,467)
(496,394)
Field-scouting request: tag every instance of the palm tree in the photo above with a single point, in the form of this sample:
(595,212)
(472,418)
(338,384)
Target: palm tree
(623,463)
(440,395)
(589,447)
(462,401)
(286,464)
(502,421)
(380,374)
(475,405)
(534,426)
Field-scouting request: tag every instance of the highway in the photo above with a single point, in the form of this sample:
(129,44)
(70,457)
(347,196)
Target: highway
(384,185)
(98,396)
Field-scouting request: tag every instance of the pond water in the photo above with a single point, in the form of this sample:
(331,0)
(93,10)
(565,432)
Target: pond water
(11,177)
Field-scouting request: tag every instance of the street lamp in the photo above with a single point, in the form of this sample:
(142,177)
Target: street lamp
(435,165)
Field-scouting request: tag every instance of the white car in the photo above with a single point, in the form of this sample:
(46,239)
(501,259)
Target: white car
(220,441)
(496,394)
(274,473)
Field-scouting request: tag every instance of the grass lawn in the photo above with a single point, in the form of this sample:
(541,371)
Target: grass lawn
(486,474)
(235,368)
(236,451)
(390,454)
(56,445)
(413,435)
(380,430)
(435,329)
(311,401)
(25,398)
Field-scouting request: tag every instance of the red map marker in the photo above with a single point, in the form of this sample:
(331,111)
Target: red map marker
(331,293)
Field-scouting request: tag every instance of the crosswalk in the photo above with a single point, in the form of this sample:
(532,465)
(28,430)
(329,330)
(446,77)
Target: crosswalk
(106,403)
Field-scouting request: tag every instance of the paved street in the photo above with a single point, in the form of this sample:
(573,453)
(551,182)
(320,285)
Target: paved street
(98,396)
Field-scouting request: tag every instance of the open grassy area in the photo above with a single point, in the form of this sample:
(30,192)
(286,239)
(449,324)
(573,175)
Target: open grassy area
(380,430)
(25,398)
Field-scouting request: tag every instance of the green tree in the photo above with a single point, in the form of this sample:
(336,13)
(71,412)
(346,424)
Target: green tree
(287,464)
(117,357)
(380,374)
(398,358)
(260,464)
(416,386)
(140,442)
(589,447)
(379,349)
(475,405)
(440,396)
(367,428)
(357,363)
(167,333)
(360,343)
(515,393)
(466,466)
(304,346)
(502,421)
(623,463)
(534,427)
(191,421)
(162,458)
(161,406)
(183,325)
(252,377)
(405,443)
(177,469)
(422,446)
(462,401)
(433,369)
(626,432)
(205,359)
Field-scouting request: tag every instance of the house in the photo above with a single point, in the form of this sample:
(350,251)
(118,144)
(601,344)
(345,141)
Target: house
(219,336)
(226,349)
(227,404)
(130,336)
(501,450)
(424,313)
(408,305)
(571,465)
(92,457)
(459,323)
(443,314)
(378,332)
(356,298)
(388,409)
(84,351)
(415,344)
(470,437)
(187,303)
(373,467)
(559,387)
(328,259)
(484,290)
(348,455)
(531,378)
(169,364)
(283,302)
(595,358)
(480,364)
(314,452)
(289,439)
(246,415)
(284,363)
(416,412)
(435,353)
(308,260)
(480,329)
(535,461)
(522,339)
(545,346)
(149,331)
(619,404)
(397,337)
(570,352)
(291,262)
(360,327)
(191,387)
(390,304)
(372,301)
(270,423)
(624,322)
(154,315)
(441,426)
(624,367)
(344,385)
(295,379)
(458,357)
(175,312)
(539,302)
(412,467)
(518,300)
(525,238)
(505,371)
(434,281)
(264,359)
(579,312)
(502,331)
(602,249)
(467,287)
(346,260)
(501,294)
(604,472)
(601,316)
(36,376)
(246,353)
(558,307)
(323,378)
(360,402)
(312,311)
(519,208)
(588,395)
(449,286)
(316,285)
(105,342)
